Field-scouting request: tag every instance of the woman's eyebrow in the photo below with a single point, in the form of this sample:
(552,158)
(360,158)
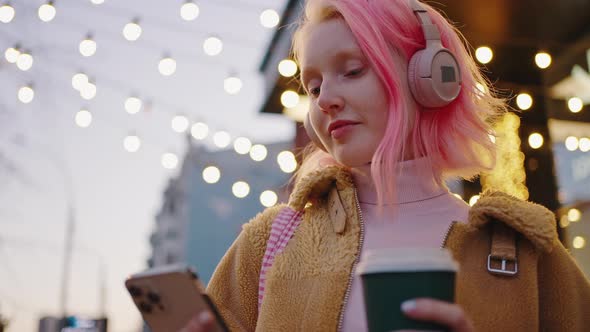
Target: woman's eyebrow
(342,54)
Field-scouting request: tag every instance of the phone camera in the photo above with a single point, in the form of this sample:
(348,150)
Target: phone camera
(135,291)
(145,307)
(153,297)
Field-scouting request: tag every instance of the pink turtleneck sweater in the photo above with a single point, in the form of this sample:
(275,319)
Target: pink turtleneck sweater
(419,217)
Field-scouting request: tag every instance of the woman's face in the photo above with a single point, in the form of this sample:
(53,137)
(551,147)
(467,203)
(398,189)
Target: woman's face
(348,103)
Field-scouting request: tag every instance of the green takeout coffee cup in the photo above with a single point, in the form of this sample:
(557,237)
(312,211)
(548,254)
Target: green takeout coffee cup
(392,276)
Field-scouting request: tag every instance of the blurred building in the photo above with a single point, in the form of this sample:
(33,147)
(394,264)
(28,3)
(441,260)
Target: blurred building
(539,54)
(198,220)
(72,324)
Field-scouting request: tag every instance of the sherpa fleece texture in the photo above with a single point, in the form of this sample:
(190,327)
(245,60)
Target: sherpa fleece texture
(306,286)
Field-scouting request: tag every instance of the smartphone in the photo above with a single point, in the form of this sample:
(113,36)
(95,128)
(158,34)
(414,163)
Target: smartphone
(169,296)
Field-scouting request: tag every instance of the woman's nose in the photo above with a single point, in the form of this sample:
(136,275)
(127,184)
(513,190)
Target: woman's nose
(330,99)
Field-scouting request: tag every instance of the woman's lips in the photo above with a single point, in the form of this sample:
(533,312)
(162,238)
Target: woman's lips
(341,131)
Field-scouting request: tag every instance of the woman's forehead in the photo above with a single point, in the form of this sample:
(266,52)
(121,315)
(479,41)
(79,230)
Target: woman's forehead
(328,40)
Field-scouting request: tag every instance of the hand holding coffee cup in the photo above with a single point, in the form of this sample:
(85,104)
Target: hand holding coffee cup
(423,279)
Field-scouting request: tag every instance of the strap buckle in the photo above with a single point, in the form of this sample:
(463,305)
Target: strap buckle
(504,269)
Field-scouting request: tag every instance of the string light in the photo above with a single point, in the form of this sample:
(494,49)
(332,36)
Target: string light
(47,12)
(535,140)
(484,54)
(83,118)
(87,46)
(564,221)
(268,198)
(575,104)
(180,123)
(524,101)
(132,143)
(287,68)
(289,99)
(269,18)
(211,174)
(579,242)
(258,152)
(571,143)
(132,30)
(242,145)
(11,54)
(287,162)
(189,11)
(6,13)
(79,80)
(221,139)
(24,61)
(212,46)
(574,215)
(88,91)
(133,105)
(199,131)
(169,160)
(26,94)
(543,60)
(232,85)
(167,66)
(584,144)
(240,189)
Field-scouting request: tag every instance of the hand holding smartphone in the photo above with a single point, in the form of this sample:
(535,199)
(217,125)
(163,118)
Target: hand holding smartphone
(168,297)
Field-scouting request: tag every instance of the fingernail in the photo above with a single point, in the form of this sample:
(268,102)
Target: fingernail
(204,317)
(408,305)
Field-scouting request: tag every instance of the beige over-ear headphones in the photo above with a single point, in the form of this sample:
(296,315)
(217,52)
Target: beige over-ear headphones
(434,75)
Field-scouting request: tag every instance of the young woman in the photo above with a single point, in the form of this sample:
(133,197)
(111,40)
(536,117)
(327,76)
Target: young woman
(394,111)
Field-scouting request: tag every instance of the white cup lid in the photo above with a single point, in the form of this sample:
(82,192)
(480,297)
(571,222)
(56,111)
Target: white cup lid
(417,259)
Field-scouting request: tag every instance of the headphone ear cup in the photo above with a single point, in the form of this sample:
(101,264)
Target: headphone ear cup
(311,133)
(412,77)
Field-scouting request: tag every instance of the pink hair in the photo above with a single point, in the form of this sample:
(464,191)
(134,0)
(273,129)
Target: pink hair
(455,139)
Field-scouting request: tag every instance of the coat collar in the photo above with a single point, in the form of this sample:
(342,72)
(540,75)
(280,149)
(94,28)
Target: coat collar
(534,221)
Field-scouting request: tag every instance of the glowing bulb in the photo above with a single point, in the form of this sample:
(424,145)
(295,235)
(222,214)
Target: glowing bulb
(88,91)
(289,99)
(232,85)
(169,160)
(564,221)
(212,46)
(287,162)
(269,18)
(579,242)
(575,104)
(484,54)
(287,67)
(132,31)
(574,215)
(543,60)
(584,144)
(189,11)
(167,66)
(180,123)
(524,101)
(473,200)
(240,189)
(46,12)
(24,61)
(83,118)
(133,105)
(6,13)
(11,54)
(87,47)
(242,145)
(268,198)
(211,174)
(132,143)
(222,139)
(79,80)
(258,152)
(26,94)
(535,140)
(199,130)
(571,143)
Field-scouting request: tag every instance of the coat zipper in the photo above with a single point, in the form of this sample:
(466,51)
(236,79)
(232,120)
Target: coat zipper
(360,246)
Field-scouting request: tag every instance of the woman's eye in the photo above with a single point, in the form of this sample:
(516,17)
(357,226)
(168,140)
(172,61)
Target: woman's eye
(314,91)
(354,72)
